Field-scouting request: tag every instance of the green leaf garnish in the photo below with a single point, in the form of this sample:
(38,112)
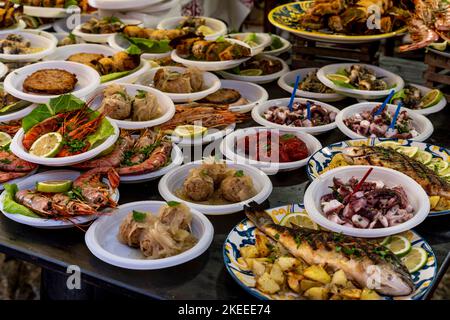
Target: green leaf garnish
(139,216)
(172,203)
(239,173)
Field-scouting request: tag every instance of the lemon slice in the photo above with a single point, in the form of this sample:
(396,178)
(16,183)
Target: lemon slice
(431,98)
(415,259)
(251,72)
(441,46)
(434,200)
(438,165)
(423,157)
(205,30)
(408,151)
(338,77)
(5,139)
(190,131)
(389,144)
(54,186)
(299,219)
(399,245)
(386,240)
(445,173)
(47,146)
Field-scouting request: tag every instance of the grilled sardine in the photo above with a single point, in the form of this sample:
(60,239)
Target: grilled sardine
(367,263)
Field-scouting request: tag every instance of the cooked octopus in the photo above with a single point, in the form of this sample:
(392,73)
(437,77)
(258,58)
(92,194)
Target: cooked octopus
(175,82)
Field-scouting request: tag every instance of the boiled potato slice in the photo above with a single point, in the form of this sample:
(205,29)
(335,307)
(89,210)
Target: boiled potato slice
(293,281)
(258,267)
(339,278)
(306,284)
(287,263)
(351,293)
(317,273)
(369,294)
(267,285)
(262,245)
(316,293)
(277,273)
(249,252)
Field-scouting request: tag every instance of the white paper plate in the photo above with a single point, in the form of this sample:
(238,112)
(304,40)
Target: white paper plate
(285,82)
(32,172)
(16,27)
(262,40)
(276,52)
(214,24)
(174,180)
(166,105)
(64,52)
(17,115)
(46,12)
(211,135)
(118,42)
(227,147)
(49,35)
(319,187)
(43,223)
(211,65)
(258,116)
(18,149)
(391,79)
(102,241)
(3,70)
(253,93)
(176,161)
(37,41)
(258,79)
(66,25)
(211,84)
(88,80)
(101,37)
(122,4)
(422,125)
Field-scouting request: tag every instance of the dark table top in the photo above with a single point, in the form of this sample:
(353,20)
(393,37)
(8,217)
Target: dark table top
(206,276)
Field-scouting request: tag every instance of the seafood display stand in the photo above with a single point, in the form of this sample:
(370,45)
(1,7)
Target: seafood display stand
(434,76)
(202,278)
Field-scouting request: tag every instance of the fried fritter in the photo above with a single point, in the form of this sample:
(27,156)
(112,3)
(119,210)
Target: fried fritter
(223,96)
(50,81)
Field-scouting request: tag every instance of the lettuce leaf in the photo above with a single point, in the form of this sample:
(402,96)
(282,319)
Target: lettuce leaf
(103,132)
(398,95)
(148,45)
(11,206)
(343,84)
(56,105)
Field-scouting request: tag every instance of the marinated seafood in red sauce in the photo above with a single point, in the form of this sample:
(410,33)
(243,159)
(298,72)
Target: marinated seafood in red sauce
(368,124)
(262,146)
(374,205)
(298,117)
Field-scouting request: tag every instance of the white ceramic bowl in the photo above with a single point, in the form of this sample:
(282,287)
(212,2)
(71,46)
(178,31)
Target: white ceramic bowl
(15,27)
(64,52)
(276,52)
(122,4)
(174,180)
(166,105)
(258,79)
(319,187)
(262,40)
(288,79)
(228,148)
(218,26)
(394,82)
(211,65)
(258,116)
(88,80)
(118,42)
(18,149)
(102,241)
(176,160)
(253,93)
(37,41)
(211,84)
(422,125)
(30,183)
(46,12)
(101,37)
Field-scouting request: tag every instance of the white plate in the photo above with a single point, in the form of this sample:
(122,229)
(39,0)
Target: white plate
(276,52)
(32,172)
(88,80)
(433,109)
(258,116)
(174,180)
(286,81)
(102,241)
(258,79)
(319,187)
(422,125)
(17,115)
(253,93)
(166,105)
(66,25)
(211,84)
(227,147)
(101,37)
(211,135)
(16,27)
(122,4)
(46,12)
(214,24)
(262,40)
(3,70)
(391,79)
(176,160)
(118,42)
(47,46)
(211,65)
(43,223)
(64,52)
(18,149)
(45,34)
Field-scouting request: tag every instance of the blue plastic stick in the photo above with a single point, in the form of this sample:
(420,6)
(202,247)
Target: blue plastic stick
(394,120)
(389,97)
(308,110)
(291,102)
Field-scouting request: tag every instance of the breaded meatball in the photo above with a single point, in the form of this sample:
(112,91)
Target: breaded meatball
(237,188)
(198,186)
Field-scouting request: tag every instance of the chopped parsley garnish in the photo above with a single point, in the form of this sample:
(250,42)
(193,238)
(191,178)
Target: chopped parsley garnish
(141,94)
(5,161)
(277,236)
(75,145)
(172,203)
(139,216)
(239,173)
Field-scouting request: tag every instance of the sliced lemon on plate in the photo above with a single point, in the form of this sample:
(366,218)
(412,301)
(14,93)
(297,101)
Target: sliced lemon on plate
(389,144)
(434,200)
(251,72)
(408,151)
(190,131)
(5,139)
(415,259)
(438,165)
(399,245)
(338,77)
(441,46)
(205,30)
(431,98)
(54,186)
(300,219)
(423,157)
(48,145)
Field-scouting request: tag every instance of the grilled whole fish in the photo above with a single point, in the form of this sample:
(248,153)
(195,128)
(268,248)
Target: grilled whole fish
(367,263)
(384,157)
